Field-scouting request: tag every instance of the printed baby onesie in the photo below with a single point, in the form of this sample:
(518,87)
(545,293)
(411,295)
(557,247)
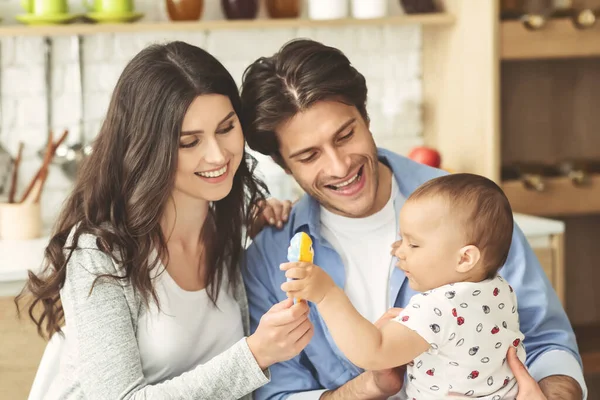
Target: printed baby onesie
(469,326)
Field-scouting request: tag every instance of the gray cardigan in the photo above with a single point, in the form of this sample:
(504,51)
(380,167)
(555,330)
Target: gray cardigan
(102,360)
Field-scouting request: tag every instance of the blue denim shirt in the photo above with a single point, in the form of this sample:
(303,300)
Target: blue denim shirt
(321,365)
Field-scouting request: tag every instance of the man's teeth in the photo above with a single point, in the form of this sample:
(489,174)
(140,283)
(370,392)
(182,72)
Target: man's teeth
(213,174)
(346,183)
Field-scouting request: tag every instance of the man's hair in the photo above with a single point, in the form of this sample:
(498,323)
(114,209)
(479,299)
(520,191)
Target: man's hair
(481,208)
(301,73)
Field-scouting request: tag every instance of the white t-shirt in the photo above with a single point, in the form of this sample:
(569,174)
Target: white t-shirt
(187,331)
(469,327)
(364,245)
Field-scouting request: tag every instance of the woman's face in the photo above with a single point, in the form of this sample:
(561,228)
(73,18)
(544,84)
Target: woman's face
(211,147)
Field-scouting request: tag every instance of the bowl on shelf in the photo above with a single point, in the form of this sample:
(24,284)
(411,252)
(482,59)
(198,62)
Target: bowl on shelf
(283,8)
(185,10)
(418,6)
(240,9)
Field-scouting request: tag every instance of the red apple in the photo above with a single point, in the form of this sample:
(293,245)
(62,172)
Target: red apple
(426,155)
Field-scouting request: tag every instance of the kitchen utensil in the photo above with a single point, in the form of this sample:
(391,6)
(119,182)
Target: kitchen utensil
(5,156)
(585,13)
(109,6)
(15,175)
(584,19)
(536,13)
(579,170)
(5,167)
(185,10)
(33,191)
(47,19)
(77,152)
(283,8)
(45,7)
(240,9)
(531,175)
(70,157)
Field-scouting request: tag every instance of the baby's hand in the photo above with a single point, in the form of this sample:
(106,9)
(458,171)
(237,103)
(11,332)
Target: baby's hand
(310,281)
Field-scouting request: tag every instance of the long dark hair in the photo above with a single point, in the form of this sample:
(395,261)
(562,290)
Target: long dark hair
(123,186)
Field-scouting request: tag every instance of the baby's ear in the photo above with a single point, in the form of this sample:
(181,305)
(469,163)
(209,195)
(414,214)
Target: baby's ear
(468,257)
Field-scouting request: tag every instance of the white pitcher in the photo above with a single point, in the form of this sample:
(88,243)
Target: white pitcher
(369,8)
(327,9)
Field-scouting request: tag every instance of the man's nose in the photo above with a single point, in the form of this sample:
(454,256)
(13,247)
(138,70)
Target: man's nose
(339,165)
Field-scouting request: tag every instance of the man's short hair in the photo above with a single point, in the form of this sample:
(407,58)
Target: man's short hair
(301,73)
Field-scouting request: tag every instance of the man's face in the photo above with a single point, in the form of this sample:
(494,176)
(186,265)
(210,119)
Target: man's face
(331,153)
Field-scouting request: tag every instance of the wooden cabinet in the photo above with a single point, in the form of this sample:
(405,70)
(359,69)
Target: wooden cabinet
(496,94)
(20,352)
(551,257)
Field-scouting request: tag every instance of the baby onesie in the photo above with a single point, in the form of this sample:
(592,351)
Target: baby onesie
(470,327)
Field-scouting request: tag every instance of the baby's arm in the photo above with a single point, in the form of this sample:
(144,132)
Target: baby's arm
(397,343)
(365,345)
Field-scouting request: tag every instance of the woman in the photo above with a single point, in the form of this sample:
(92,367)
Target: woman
(143,267)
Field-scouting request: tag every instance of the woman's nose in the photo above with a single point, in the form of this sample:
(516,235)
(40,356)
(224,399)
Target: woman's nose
(213,153)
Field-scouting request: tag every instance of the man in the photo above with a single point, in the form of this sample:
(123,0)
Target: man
(306,108)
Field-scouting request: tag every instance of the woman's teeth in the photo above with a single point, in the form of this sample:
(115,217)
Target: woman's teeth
(213,174)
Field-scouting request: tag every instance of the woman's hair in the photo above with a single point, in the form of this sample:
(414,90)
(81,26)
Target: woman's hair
(123,186)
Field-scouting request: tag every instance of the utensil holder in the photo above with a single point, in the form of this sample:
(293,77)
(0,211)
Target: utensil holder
(20,221)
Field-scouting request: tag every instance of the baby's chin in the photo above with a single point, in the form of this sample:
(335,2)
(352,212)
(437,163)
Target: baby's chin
(413,285)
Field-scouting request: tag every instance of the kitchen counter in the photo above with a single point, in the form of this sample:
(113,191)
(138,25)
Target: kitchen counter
(16,257)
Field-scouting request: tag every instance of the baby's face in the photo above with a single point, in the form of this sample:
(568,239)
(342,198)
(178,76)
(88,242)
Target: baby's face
(429,250)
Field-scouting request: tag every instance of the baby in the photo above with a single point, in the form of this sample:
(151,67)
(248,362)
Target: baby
(456,232)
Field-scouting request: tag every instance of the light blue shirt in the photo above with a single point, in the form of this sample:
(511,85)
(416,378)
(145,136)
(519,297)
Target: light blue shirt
(549,338)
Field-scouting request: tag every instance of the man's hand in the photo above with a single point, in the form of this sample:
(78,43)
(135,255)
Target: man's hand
(269,212)
(556,387)
(372,384)
(310,281)
(528,387)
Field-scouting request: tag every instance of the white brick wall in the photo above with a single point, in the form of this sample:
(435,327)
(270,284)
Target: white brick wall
(389,57)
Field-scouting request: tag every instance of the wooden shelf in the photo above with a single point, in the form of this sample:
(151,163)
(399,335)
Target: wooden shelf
(559,198)
(91,28)
(557,39)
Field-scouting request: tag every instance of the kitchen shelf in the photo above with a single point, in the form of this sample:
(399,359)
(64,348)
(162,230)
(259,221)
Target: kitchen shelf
(559,198)
(433,19)
(557,39)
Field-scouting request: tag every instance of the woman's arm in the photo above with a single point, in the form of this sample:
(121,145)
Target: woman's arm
(108,357)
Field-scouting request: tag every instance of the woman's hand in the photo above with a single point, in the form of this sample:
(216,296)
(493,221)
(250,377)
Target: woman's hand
(272,212)
(283,332)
